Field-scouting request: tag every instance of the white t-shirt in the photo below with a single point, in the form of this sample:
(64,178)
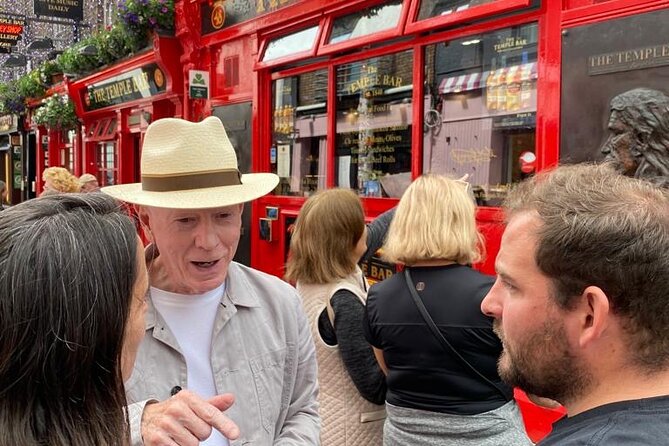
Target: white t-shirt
(191,320)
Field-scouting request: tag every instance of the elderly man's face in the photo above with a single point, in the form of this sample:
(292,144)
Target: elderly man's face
(538,355)
(196,246)
(620,146)
(90,186)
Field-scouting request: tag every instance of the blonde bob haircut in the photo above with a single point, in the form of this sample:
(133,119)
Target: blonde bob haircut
(326,232)
(435,220)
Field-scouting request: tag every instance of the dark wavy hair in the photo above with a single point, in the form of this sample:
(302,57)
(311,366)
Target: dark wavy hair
(604,229)
(67,270)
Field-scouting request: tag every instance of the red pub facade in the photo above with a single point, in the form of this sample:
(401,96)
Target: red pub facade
(371,94)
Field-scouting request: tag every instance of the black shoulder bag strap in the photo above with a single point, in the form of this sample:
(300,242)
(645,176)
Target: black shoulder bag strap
(440,337)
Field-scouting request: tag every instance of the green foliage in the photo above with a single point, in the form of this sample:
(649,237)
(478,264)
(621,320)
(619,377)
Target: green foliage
(56,113)
(116,43)
(11,99)
(48,69)
(30,85)
(140,16)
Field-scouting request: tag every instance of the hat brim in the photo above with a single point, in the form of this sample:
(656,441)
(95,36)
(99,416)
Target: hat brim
(254,185)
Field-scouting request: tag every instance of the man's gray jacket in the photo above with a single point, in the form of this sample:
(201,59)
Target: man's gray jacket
(262,352)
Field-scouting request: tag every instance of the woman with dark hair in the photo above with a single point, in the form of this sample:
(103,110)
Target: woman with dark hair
(329,240)
(72,286)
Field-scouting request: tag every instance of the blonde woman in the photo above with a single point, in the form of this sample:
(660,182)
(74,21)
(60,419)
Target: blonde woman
(59,180)
(438,350)
(329,240)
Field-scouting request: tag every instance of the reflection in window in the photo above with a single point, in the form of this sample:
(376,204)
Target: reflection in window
(107,163)
(480,104)
(368,21)
(435,8)
(374,109)
(294,43)
(299,132)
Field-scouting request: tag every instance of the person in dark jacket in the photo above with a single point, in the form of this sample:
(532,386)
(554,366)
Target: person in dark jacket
(437,394)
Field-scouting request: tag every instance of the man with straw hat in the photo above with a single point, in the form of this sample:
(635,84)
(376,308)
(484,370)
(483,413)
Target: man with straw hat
(216,329)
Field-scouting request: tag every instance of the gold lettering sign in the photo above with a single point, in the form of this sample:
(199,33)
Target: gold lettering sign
(136,84)
(627,60)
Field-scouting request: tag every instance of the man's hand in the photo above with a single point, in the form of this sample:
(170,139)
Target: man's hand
(185,419)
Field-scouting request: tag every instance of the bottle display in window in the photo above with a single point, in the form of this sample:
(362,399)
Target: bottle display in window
(526,84)
(491,88)
(501,86)
(513,88)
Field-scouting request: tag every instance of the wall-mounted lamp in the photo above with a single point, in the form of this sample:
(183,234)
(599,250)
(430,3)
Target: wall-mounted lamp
(15,61)
(88,50)
(44,43)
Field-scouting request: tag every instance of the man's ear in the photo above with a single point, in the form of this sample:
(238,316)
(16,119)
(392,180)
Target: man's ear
(594,315)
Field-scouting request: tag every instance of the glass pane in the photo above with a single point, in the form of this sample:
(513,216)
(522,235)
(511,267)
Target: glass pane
(111,128)
(299,128)
(101,127)
(291,44)
(480,109)
(101,156)
(434,8)
(374,109)
(367,21)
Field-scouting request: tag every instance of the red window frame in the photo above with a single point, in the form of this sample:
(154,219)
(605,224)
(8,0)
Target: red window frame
(477,12)
(325,48)
(311,52)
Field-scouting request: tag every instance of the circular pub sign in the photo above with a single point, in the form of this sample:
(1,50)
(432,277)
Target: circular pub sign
(528,162)
(218,15)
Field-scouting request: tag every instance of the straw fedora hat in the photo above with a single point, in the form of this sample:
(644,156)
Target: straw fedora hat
(188,165)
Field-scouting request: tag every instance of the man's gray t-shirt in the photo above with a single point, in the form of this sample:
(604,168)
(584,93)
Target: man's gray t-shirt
(626,423)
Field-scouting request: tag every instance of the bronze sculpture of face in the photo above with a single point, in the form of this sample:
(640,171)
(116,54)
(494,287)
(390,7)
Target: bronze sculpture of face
(638,141)
(620,147)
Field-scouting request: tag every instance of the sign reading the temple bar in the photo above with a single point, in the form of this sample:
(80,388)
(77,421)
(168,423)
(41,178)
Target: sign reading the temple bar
(225,13)
(67,9)
(11,28)
(634,59)
(142,82)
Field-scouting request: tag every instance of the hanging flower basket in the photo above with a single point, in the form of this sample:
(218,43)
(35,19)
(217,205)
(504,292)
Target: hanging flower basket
(143,16)
(56,113)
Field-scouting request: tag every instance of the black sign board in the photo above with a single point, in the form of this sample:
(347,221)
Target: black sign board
(225,13)
(11,28)
(601,61)
(139,83)
(67,9)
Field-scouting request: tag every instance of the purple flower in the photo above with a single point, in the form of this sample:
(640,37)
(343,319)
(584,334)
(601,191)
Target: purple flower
(152,21)
(163,9)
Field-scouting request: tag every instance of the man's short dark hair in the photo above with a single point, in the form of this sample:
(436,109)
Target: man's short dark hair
(604,229)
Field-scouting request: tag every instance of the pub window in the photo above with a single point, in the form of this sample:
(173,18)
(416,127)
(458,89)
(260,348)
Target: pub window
(92,128)
(299,132)
(368,21)
(436,8)
(107,163)
(100,132)
(111,128)
(374,109)
(291,44)
(480,104)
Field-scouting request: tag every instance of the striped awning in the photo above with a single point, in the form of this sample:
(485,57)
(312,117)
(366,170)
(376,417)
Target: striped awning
(474,81)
